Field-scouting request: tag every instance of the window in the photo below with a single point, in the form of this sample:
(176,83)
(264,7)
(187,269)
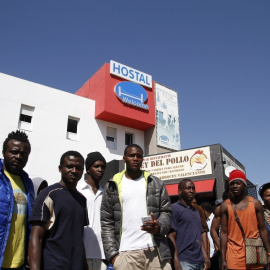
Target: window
(72,128)
(26,117)
(111,138)
(128,138)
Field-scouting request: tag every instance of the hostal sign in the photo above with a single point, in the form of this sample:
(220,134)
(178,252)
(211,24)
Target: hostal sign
(131,92)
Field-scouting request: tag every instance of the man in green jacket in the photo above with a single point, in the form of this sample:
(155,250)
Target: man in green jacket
(129,197)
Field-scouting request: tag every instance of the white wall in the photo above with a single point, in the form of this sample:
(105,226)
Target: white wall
(49,125)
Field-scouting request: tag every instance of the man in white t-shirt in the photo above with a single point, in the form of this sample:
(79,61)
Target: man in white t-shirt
(132,194)
(208,210)
(95,165)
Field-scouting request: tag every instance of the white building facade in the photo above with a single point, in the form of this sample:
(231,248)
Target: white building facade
(55,122)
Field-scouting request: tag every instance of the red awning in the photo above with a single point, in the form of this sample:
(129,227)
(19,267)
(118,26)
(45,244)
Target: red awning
(201,187)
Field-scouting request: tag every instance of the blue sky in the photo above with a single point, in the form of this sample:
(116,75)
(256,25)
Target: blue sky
(216,54)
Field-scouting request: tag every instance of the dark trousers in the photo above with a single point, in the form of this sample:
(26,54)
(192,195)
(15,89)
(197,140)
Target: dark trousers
(215,261)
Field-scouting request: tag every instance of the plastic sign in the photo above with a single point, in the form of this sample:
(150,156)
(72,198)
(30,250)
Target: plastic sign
(180,164)
(132,93)
(130,74)
(167,118)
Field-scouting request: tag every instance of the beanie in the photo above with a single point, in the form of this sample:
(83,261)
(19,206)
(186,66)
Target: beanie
(93,157)
(237,175)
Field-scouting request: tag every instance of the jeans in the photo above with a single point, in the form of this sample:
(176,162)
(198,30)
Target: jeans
(191,266)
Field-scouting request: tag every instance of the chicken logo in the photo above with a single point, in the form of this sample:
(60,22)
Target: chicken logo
(198,161)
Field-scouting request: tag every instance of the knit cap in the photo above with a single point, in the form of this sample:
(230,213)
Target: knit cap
(93,157)
(237,175)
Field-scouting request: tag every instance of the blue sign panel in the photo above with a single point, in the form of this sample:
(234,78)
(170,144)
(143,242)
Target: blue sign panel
(132,93)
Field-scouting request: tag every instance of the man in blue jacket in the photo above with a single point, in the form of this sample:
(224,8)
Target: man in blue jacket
(16,199)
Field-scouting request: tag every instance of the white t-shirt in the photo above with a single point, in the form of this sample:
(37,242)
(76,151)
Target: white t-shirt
(92,232)
(212,247)
(134,208)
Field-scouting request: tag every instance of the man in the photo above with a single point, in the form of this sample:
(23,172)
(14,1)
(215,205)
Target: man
(208,210)
(17,195)
(58,218)
(215,227)
(264,192)
(205,240)
(250,213)
(186,231)
(95,165)
(128,197)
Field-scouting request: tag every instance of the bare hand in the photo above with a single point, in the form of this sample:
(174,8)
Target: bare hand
(268,262)
(114,258)
(151,226)
(224,265)
(177,266)
(207,265)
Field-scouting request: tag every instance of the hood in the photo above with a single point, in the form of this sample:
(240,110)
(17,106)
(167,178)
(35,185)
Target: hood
(37,181)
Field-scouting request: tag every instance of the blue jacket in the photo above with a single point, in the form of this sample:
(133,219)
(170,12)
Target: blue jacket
(6,207)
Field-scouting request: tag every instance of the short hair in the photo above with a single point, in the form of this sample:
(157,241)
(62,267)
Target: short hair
(207,206)
(132,145)
(263,188)
(18,136)
(181,183)
(70,153)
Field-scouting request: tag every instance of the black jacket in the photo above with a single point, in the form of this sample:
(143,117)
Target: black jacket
(158,203)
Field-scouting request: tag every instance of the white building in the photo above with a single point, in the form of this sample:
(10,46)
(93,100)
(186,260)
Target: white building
(93,119)
(51,112)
